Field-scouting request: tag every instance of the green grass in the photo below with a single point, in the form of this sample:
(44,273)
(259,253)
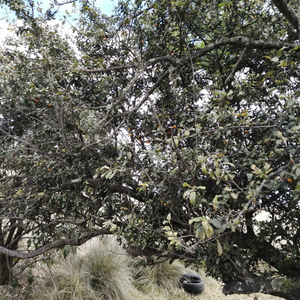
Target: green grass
(102,270)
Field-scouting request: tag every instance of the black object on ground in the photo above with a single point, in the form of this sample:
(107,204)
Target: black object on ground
(192,283)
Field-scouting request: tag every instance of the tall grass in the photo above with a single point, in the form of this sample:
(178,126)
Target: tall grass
(102,270)
(158,276)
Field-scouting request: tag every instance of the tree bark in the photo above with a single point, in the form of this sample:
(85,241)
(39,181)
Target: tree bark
(6,263)
(287,288)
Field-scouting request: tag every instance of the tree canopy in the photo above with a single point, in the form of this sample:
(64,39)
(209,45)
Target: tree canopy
(172,123)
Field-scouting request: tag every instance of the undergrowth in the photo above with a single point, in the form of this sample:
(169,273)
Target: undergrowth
(103,270)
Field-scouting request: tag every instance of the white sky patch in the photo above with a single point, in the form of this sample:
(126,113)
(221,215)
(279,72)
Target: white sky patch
(263,216)
(106,6)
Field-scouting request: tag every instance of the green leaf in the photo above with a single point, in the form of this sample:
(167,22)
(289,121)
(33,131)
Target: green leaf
(204,170)
(279,134)
(201,187)
(227,189)
(234,196)
(215,202)
(279,52)
(296,128)
(219,248)
(209,232)
(216,223)
(169,217)
(186,194)
(200,233)
(186,185)
(282,64)
(266,167)
(198,219)
(270,73)
(205,224)
(218,172)
(236,221)
(193,197)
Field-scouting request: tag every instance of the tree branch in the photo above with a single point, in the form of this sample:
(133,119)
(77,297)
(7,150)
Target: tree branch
(281,287)
(57,244)
(267,252)
(238,41)
(235,67)
(288,13)
(104,70)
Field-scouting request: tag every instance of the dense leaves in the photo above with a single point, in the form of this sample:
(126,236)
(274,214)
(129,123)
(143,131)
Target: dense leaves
(172,123)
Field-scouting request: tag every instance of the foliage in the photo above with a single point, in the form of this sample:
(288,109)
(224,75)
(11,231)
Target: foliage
(164,123)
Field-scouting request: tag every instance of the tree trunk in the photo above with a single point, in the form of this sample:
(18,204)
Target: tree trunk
(10,235)
(6,263)
(287,288)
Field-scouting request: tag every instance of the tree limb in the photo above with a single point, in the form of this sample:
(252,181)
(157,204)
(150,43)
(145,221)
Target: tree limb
(281,287)
(268,253)
(57,244)
(288,13)
(237,41)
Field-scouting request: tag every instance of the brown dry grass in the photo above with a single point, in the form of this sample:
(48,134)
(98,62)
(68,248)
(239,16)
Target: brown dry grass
(117,276)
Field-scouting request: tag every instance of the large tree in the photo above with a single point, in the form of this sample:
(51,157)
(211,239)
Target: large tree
(170,123)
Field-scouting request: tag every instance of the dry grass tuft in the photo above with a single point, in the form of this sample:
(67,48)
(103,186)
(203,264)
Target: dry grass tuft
(100,270)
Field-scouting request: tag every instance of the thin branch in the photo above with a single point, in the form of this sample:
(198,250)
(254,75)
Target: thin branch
(241,42)
(152,89)
(122,96)
(257,191)
(65,3)
(57,244)
(104,70)
(235,67)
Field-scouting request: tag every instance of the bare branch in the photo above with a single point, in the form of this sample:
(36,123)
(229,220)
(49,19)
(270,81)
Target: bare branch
(104,70)
(235,67)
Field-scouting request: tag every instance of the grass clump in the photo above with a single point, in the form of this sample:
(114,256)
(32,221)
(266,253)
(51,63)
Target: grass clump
(157,277)
(100,270)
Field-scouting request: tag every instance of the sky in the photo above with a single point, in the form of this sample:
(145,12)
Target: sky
(106,7)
